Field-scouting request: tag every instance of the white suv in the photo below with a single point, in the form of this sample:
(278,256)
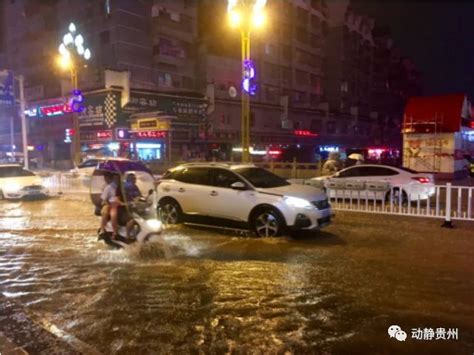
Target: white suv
(240,196)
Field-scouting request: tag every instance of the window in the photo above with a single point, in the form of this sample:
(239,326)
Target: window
(262,178)
(380,171)
(269,49)
(199,176)
(104,37)
(285,76)
(352,172)
(331,127)
(88,163)
(223,178)
(301,77)
(344,86)
(301,35)
(299,96)
(14,171)
(315,126)
(286,53)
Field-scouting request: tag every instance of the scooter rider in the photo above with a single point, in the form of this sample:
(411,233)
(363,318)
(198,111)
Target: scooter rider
(109,204)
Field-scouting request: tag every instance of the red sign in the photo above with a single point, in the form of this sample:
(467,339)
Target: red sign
(54,110)
(306,133)
(104,134)
(151,134)
(471,124)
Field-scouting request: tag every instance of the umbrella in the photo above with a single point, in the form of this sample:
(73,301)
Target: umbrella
(356,156)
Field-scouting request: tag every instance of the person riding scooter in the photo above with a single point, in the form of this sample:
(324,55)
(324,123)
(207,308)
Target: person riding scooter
(109,204)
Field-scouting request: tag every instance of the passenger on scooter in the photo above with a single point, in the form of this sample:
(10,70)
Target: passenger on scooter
(131,189)
(109,204)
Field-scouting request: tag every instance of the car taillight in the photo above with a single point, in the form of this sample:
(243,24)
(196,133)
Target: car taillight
(422,180)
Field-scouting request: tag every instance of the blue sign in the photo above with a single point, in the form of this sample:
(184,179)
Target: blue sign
(7,94)
(249,74)
(76,101)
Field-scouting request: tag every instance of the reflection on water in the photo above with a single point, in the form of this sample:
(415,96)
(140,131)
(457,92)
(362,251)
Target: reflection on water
(337,292)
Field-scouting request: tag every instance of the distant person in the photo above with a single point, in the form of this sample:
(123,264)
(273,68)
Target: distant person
(332,165)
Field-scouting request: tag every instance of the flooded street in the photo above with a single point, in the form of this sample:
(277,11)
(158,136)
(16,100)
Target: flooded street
(335,291)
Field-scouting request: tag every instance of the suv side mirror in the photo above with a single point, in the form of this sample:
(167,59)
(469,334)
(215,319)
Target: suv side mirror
(238,185)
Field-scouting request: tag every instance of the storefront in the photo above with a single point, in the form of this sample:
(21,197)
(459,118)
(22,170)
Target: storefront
(108,129)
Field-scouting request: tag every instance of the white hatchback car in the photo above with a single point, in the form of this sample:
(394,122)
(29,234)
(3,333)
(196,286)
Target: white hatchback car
(379,182)
(16,183)
(240,196)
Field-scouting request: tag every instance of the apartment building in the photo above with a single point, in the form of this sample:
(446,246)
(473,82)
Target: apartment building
(288,55)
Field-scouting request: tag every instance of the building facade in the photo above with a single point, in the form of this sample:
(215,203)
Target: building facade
(324,74)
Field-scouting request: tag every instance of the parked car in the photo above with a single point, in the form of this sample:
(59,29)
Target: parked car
(17,182)
(240,196)
(379,182)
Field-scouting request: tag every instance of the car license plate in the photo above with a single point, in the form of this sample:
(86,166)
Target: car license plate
(33,192)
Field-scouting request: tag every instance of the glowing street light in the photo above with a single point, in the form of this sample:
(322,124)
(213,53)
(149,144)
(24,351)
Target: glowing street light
(246,15)
(71,50)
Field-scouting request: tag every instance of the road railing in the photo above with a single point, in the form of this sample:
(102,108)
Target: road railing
(59,183)
(446,202)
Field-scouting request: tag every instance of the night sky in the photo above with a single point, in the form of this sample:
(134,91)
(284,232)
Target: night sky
(438,36)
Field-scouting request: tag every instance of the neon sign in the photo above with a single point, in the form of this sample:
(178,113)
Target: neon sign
(306,133)
(249,74)
(151,134)
(73,104)
(104,134)
(75,101)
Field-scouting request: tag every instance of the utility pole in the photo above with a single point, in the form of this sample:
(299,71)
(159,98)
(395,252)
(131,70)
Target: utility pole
(23,123)
(245,99)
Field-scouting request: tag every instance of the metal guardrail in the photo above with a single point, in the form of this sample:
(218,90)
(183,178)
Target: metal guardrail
(59,183)
(444,201)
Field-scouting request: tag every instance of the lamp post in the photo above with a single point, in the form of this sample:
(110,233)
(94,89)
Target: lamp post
(71,50)
(245,15)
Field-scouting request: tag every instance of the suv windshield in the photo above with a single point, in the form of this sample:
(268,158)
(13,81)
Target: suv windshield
(262,178)
(14,171)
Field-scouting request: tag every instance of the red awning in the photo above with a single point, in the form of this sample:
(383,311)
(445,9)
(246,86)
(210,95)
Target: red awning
(422,114)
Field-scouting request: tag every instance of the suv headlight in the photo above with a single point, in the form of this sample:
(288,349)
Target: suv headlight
(297,202)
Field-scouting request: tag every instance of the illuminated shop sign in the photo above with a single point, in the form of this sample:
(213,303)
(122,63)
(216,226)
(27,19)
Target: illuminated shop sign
(329,148)
(122,133)
(104,134)
(150,134)
(306,133)
(74,104)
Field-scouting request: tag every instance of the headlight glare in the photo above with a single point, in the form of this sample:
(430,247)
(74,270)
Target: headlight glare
(297,202)
(154,224)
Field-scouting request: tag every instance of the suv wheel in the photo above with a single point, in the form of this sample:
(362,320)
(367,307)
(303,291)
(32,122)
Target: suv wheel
(170,212)
(267,223)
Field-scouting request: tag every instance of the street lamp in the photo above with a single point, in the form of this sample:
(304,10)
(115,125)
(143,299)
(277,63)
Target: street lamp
(71,50)
(246,15)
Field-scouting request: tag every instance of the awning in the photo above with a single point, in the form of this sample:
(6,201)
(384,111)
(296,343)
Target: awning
(442,113)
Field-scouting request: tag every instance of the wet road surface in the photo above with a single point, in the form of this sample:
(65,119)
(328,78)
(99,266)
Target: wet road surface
(335,291)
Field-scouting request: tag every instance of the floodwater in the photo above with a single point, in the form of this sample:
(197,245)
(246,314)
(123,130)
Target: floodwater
(335,291)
